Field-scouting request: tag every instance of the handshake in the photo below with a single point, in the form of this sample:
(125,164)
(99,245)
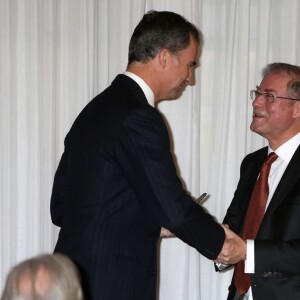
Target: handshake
(234,250)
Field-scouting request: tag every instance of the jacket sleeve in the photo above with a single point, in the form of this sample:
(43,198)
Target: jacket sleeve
(144,155)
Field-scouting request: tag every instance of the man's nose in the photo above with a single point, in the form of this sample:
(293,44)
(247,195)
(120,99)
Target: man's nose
(191,78)
(258,101)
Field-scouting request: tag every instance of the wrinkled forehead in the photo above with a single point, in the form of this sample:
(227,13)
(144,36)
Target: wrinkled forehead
(275,82)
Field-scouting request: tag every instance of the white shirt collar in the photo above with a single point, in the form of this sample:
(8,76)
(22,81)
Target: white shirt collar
(143,85)
(287,150)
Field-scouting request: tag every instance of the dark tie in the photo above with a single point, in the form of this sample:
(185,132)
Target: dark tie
(254,216)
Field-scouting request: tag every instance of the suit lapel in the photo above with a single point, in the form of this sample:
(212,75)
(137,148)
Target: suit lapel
(253,170)
(249,172)
(287,182)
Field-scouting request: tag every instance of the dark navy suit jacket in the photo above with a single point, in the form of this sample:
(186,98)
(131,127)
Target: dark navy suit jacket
(277,245)
(114,188)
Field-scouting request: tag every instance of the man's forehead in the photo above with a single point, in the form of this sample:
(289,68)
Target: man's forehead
(275,81)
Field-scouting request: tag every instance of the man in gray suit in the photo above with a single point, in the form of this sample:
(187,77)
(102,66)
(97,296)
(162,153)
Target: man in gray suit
(116,184)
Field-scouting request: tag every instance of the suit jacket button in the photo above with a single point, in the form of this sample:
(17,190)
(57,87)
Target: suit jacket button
(267,274)
(279,274)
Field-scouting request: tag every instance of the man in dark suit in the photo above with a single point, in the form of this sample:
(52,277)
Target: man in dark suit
(116,183)
(273,257)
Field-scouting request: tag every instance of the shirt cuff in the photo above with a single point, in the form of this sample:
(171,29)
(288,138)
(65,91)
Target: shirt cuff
(250,262)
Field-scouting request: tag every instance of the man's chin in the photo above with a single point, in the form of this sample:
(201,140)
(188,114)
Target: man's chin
(255,127)
(178,94)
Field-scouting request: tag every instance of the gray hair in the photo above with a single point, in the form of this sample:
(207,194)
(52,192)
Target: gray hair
(293,86)
(60,277)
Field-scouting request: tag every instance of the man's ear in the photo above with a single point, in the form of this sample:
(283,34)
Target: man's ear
(163,56)
(296,109)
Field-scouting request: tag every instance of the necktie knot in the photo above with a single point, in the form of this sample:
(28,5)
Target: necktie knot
(270,158)
(265,169)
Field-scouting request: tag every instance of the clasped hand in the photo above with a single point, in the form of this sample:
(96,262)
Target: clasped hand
(234,248)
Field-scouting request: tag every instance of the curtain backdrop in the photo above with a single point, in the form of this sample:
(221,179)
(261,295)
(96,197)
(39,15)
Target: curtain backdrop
(55,55)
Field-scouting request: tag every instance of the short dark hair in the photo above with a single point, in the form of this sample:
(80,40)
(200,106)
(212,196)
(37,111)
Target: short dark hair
(158,30)
(293,86)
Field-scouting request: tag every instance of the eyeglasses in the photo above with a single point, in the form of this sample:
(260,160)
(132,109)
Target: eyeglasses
(268,97)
